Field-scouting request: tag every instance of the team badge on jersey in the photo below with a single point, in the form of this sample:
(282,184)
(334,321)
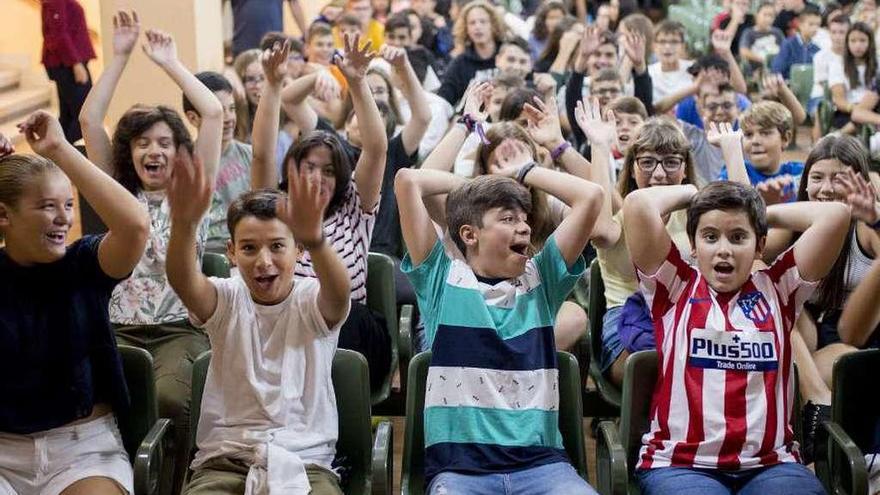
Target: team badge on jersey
(735,351)
(754,306)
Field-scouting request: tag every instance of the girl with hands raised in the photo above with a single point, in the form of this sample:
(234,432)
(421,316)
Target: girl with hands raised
(62,375)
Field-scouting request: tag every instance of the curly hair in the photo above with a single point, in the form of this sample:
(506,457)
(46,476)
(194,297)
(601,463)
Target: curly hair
(459,29)
(136,121)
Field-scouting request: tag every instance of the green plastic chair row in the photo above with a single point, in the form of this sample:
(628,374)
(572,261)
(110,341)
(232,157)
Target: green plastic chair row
(412,480)
(369,458)
(381,297)
(607,390)
(143,432)
(801,82)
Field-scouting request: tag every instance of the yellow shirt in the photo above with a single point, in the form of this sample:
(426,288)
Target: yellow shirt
(375,33)
(618,271)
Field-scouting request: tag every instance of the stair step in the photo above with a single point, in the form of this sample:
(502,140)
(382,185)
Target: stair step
(9,79)
(21,101)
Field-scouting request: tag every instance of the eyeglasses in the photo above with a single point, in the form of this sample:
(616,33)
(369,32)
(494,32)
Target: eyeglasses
(714,107)
(670,164)
(254,79)
(668,42)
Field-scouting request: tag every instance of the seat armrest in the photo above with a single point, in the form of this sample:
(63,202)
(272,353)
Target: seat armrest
(612,475)
(844,459)
(405,350)
(149,457)
(383,462)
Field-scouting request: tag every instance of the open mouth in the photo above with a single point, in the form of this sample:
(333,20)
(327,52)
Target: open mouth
(153,167)
(521,249)
(623,138)
(57,237)
(723,269)
(264,282)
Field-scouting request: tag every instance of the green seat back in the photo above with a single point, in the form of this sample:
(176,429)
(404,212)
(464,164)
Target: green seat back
(608,391)
(639,379)
(215,265)
(134,423)
(382,297)
(570,420)
(351,383)
(801,82)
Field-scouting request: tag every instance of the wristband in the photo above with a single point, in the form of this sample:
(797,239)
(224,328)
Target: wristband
(559,150)
(472,125)
(521,175)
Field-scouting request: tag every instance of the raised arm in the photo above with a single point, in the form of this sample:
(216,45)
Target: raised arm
(414,130)
(824,226)
(161,49)
(265,131)
(127,221)
(775,85)
(415,222)
(189,197)
(319,83)
(476,104)
(126,29)
(861,313)
(584,198)
(371,164)
(730,142)
(721,42)
(647,240)
(299,17)
(304,214)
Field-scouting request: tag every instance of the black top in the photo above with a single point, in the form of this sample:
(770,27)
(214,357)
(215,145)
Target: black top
(748,22)
(58,355)
(459,73)
(786,20)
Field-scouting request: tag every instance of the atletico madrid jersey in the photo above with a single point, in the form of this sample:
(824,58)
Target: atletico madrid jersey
(724,391)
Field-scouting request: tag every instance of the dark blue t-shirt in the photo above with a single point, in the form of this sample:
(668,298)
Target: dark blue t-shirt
(794,169)
(58,355)
(252,19)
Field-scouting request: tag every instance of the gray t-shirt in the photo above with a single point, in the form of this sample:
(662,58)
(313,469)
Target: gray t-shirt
(233,179)
(708,161)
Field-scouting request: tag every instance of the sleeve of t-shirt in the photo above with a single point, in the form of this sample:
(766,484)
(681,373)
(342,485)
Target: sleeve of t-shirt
(557,278)
(836,74)
(428,278)
(747,39)
(306,304)
(218,322)
(792,290)
(667,285)
(87,264)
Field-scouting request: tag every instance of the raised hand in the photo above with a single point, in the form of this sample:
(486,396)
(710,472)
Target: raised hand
(476,100)
(569,41)
(43,133)
(777,190)
(510,155)
(543,121)
(189,190)
(772,83)
(544,84)
(860,196)
(160,47)
(634,46)
(326,86)
(304,210)
(723,135)
(274,62)
(395,56)
(126,29)
(355,60)
(721,41)
(590,42)
(6,147)
(598,130)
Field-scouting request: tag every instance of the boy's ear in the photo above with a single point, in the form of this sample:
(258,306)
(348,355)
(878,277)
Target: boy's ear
(759,247)
(468,235)
(786,138)
(194,118)
(4,215)
(230,252)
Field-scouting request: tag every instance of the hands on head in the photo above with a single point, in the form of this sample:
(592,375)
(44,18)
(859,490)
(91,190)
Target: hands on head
(510,156)
(43,133)
(543,122)
(476,100)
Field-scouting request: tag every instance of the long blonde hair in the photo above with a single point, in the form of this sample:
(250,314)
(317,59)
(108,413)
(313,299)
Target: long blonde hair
(459,29)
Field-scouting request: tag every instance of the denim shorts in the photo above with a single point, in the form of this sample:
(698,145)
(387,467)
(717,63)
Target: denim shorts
(787,478)
(611,345)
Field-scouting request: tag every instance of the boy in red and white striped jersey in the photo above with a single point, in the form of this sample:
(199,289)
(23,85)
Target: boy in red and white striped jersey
(721,406)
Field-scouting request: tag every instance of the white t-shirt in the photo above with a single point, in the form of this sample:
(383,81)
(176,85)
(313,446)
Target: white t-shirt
(836,75)
(822,63)
(667,83)
(269,384)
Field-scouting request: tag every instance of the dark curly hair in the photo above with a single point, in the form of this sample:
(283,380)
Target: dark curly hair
(136,121)
(339,157)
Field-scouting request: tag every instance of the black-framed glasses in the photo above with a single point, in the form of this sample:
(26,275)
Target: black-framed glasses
(670,164)
(714,107)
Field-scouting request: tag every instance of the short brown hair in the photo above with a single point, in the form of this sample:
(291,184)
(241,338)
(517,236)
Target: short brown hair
(608,74)
(658,135)
(629,104)
(318,29)
(348,19)
(509,80)
(669,27)
(768,115)
(260,203)
(467,204)
(728,196)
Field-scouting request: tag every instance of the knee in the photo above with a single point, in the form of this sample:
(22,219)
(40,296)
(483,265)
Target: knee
(571,320)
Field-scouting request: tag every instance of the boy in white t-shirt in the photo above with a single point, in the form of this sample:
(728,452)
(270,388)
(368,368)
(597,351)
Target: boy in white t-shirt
(269,419)
(669,74)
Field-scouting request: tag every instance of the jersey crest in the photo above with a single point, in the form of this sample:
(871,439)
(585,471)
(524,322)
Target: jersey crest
(754,307)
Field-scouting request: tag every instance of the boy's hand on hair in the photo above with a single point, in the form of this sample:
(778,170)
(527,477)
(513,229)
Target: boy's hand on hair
(189,190)
(303,212)
(326,86)
(395,56)
(6,147)
(274,62)
(355,59)
(721,42)
(160,47)
(723,135)
(860,196)
(43,133)
(126,29)
(511,155)
(543,119)
(634,46)
(590,42)
(599,130)
(476,100)
(777,190)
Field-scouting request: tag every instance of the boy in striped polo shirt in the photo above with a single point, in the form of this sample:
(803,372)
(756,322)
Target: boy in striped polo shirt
(492,400)
(720,413)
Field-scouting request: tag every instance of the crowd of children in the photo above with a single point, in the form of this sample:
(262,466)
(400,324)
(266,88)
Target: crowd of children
(491,150)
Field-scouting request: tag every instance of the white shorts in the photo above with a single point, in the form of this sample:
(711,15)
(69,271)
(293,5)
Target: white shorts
(50,461)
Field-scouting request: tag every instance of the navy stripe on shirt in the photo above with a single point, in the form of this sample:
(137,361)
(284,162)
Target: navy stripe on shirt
(475,458)
(483,348)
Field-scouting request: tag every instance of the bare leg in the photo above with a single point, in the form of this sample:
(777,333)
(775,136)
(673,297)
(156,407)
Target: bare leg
(615,373)
(812,386)
(571,325)
(827,356)
(97,485)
